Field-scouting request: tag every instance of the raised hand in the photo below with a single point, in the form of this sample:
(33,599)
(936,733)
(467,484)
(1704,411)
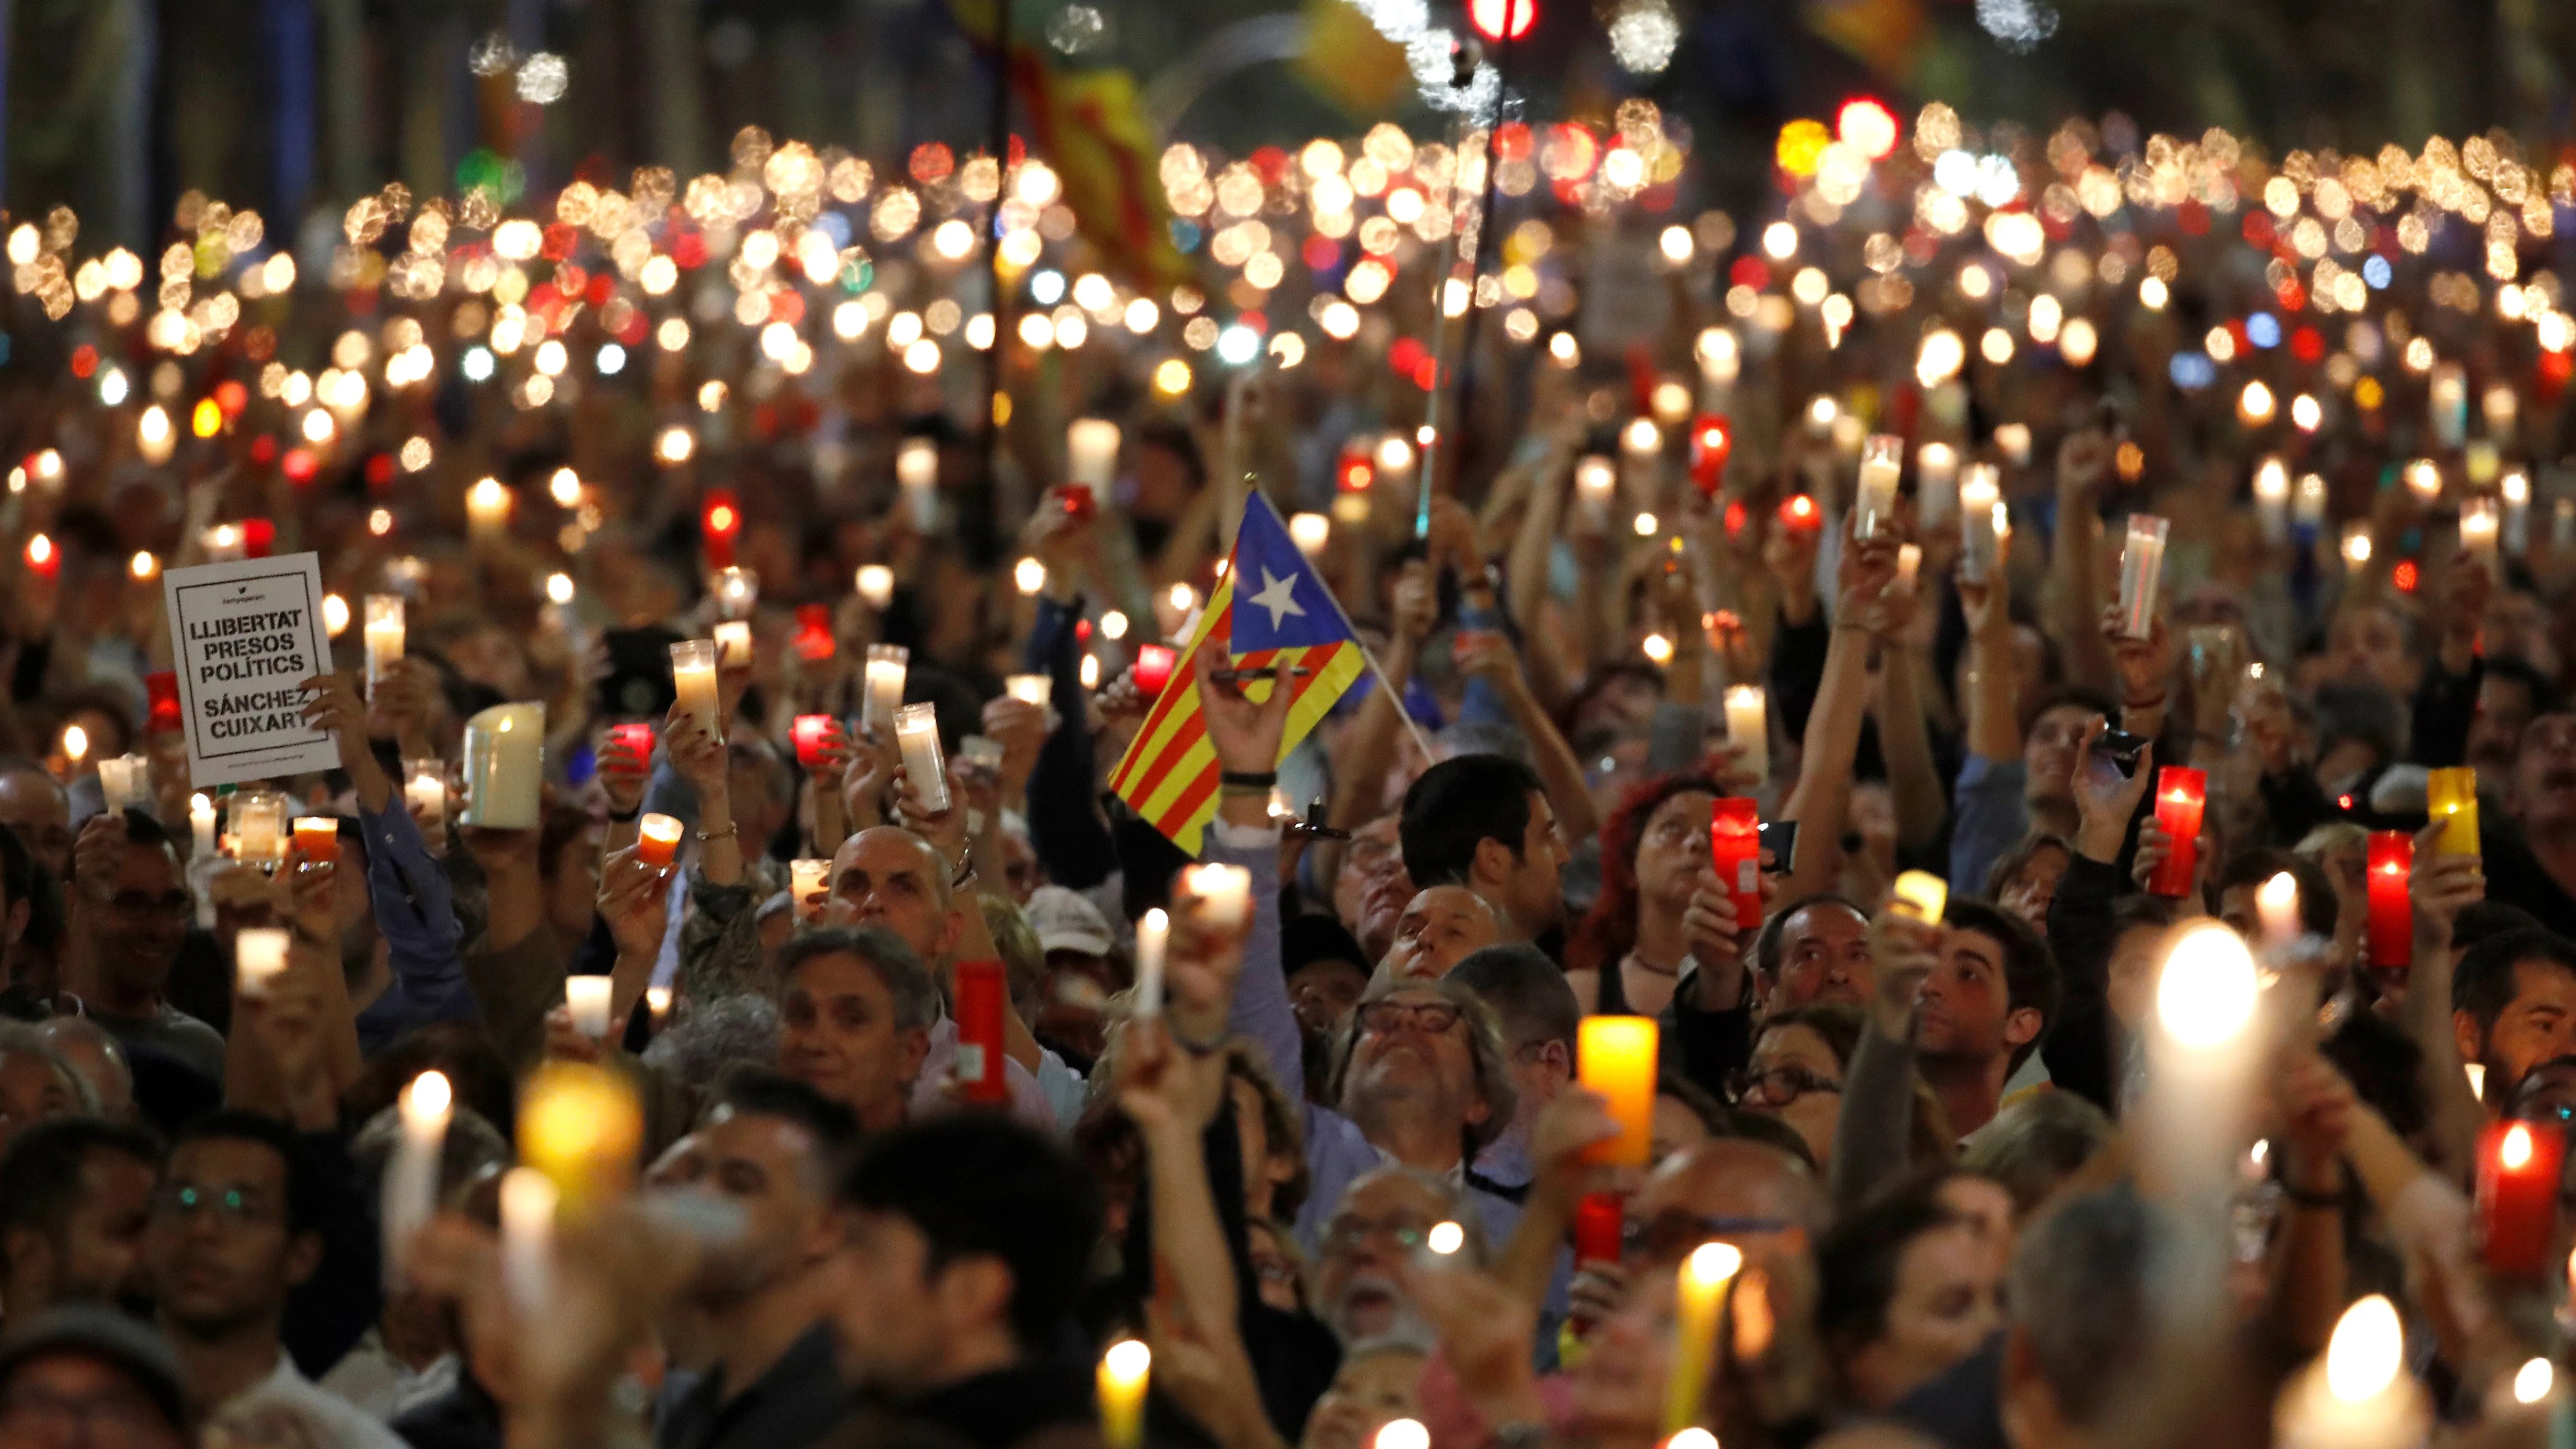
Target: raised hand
(2441,886)
(2105,798)
(634,901)
(1245,731)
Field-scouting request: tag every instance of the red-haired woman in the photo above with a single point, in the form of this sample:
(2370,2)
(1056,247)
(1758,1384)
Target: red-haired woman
(1624,957)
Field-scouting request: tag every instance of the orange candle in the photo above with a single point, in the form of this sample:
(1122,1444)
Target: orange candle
(317,838)
(2451,796)
(657,839)
(1615,1056)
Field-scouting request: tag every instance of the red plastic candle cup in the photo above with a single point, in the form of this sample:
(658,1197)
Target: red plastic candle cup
(1598,1218)
(637,737)
(2392,914)
(981,999)
(1735,853)
(1077,500)
(810,731)
(2518,1170)
(163,691)
(1800,512)
(2180,793)
(814,641)
(259,537)
(44,557)
(720,523)
(1712,439)
(1154,667)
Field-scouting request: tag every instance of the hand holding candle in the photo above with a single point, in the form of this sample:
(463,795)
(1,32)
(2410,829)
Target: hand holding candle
(1735,854)
(693,681)
(657,840)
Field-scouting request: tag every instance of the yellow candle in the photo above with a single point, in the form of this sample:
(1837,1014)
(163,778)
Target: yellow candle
(580,1125)
(657,839)
(2451,796)
(1701,1292)
(693,679)
(1124,1370)
(1923,895)
(259,956)
(504,766)
(1882,462)
(1615,1056)
(384,636)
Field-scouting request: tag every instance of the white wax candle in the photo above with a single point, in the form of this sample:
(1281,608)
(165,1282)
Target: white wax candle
(587,999)
(733,644)
(693,679)
(125,782)
(259,955)
(2424,479)
(807,879)
(2357,1394)
(1310,532)
(2516,489)
(1979,550)
(410,1195)
(1882,463)
(2142,571)
(657,1000)
(1091,453)
(487,509)
(1721,360)
(1748,725)
(1037,689)
(1152,934)
(425,787)
(2478,524)
(1936,483)
(259,828)
(2308,505)
(505,766)
(886,667)
(528,1200)
(1223,893)
(2276,903)
(916,733)
(2014,439)
(875,583)
(1909,565)
(916,467)
(384,636)
(1641,457)
(2449,392)
(201,827)
(737,590)
(1596,485)
(2272,499)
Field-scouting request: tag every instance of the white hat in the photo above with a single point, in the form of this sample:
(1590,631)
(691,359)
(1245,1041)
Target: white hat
(1066,921)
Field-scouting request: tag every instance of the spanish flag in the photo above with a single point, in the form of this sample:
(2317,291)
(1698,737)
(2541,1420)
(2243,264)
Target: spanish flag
(1270,603)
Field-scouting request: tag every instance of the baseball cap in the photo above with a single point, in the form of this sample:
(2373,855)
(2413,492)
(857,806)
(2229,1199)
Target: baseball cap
(93,1330)
(1066,921)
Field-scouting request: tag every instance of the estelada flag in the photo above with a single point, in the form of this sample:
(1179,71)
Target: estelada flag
(1269,603)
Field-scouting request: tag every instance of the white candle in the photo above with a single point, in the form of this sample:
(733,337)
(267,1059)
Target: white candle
(876,585)
(1310,532)
(2357,1394)
(528,1200)
(259,955)
(125,782)
(1979,550)
(1152,934)
(1091,453)
(1037,689)
(693,680)
(2142,570)
(1748,725)
(1909,565)
(2516,489)
(2272,499)
(733,644)
(504,766)
(886,667)
(487,509)
(806,881)
(1641,456)
(586,997)
(384,636)
(1721,359)
(657,1000)
(2500,405)
(410,1196)
(2308,505)
(201,827)
(737,590)
(2014,439)
(2424,479)
(916,733)
(2449,391)
(1936,482)
(425,787)
(916,467)
(1882,462)
(259,828)
(2478,523)
(1596,484)
(223,542)
(1223,893)
(2276,904)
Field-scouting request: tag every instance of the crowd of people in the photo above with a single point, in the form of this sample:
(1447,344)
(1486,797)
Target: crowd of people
(1340,1161)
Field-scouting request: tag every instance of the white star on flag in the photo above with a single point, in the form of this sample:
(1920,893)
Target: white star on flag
(1278,595)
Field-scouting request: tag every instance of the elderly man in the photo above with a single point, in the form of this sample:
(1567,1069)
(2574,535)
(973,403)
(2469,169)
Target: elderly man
(1437,930)
(36,1084)
(1381,1220)
(854,1019)
(98,1059)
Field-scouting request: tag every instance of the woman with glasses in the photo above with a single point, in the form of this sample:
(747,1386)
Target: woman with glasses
(1626,955)
(1795,1076)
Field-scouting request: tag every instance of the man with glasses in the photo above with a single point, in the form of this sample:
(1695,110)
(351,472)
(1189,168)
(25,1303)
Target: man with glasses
(1539,1017)
(1373,1232)
(131,909)
(235,1229)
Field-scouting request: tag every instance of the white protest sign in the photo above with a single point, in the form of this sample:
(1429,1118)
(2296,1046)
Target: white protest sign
(245,634)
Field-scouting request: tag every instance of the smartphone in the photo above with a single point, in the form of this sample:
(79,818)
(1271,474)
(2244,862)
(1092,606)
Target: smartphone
(2121,748)
(1779,845)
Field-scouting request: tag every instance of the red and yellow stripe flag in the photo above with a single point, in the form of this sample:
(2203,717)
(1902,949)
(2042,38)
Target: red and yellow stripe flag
(1169,773)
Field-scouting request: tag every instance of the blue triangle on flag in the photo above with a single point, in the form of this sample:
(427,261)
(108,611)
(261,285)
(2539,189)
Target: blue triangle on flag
(1280,602)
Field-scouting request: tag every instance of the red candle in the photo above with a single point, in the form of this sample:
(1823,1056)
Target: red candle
(1598,1218)
(1800,512)
(810,731)
(2180,793)
(259,537)
(981,999)
(814,641)
(44,559)
(1154,667)
(2518,1170)
(637,737)
(163,690)
(720,524)
(2392,915)
(1735,853)
(1712,438)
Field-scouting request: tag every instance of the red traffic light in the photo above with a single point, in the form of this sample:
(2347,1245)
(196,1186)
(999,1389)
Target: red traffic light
(1502,19)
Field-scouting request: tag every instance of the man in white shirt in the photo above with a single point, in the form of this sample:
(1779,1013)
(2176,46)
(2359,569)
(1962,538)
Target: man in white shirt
(231,1236)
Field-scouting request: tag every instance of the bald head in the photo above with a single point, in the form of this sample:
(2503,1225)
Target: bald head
(1752,1194)
(98,1059)
(891,878)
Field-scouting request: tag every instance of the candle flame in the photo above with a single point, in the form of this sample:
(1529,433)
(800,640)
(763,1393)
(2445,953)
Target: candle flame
(1445,1238)
(1403,1434)
(1713,1263)
(2208,990)
(430,1095)
(2279,894)
(2362,1359)
(1128,1360)
(2515,1151)
(2532,1382)
(1692,1438)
